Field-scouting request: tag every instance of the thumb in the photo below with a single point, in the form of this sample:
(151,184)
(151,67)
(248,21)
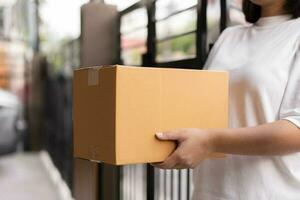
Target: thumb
(169,136)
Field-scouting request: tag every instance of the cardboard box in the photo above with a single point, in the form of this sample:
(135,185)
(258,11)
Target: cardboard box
(118,110)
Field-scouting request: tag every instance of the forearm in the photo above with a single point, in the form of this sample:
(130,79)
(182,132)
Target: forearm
(278,138)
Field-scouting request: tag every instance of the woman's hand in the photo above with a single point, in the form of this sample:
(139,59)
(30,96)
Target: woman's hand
(193,146)
(278,138)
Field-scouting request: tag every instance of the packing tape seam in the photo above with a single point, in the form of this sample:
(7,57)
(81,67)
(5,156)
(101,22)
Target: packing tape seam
(93,75)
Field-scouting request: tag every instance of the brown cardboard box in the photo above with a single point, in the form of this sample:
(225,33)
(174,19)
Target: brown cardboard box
(118,110)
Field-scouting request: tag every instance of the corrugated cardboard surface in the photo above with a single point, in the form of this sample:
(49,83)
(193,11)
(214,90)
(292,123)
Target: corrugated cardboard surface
(139,102)
(94,115)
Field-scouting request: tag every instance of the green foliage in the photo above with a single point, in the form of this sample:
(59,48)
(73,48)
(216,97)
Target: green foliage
(184,44)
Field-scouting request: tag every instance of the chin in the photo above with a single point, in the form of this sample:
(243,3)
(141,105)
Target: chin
(263,2)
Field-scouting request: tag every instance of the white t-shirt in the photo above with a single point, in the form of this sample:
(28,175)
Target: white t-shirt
(263,61)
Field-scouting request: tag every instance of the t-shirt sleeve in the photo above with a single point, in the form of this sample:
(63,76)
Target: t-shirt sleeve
(290,107)
(213,51)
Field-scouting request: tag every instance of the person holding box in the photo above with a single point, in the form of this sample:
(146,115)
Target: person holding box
(263,141)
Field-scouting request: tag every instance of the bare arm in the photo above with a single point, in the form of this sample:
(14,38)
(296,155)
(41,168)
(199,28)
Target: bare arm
(278,138)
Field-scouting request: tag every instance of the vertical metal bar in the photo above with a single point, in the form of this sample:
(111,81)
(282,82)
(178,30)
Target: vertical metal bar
(182,184)
(150,182)
(133,173)
(201,31)
(100,177)
(179,184)
(191,183)
(109,182)
(130,183)
(168,184)
(151,39)
(149,60)
(158,184)
(118,42)
(188,185)
(37,27)
(118,182)
(224,16)
(126,178)
(123,184)
(135,179)
(162,184)
(175,185)
(165,185)
(171,182)
(144,181)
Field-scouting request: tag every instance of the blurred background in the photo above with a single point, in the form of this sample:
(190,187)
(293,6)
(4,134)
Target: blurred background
(43,41)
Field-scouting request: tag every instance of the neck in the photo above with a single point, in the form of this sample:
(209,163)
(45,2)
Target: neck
(272,10)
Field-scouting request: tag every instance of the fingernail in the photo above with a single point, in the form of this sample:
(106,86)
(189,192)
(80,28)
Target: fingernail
(159,135)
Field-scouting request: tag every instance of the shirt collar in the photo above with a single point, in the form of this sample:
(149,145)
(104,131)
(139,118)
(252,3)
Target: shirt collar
(273,20)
